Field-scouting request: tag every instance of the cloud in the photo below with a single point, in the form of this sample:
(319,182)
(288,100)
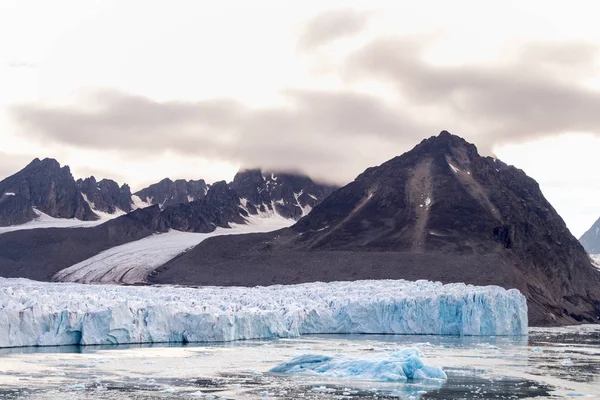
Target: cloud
(330,26)
(336,134)
(322,133)
(519,100)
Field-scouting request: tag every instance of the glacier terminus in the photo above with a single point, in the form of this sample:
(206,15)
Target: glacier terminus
(46,314)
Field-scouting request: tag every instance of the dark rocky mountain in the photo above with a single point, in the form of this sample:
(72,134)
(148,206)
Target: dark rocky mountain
(591,239)
(106,195)
(168,192)
(44,185)
(290,195)
(41,253)
(439,212)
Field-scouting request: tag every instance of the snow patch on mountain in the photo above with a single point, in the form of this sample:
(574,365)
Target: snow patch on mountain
(104,216)
(46,221)
(595,260)
(139,203)
(454,169)
(46,314)
(132,262)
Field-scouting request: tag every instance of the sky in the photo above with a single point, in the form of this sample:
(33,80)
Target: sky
(137,91)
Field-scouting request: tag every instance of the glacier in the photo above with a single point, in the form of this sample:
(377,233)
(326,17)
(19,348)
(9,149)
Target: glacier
(132,262)
(399,366)
(46,314)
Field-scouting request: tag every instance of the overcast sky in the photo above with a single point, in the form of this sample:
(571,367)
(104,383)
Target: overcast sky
(140,90)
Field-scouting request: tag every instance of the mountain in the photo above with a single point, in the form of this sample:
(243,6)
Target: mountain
(591,239)
(438,212)
(289,195)
(106,196)
(45,186)
(41,253)
(168,192)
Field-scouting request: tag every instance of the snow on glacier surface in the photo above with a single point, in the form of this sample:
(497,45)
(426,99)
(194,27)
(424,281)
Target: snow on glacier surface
(132,262)
(45,221)
(37,314)
(395,367)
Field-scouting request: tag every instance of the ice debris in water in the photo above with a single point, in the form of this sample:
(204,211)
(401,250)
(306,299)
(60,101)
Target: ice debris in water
(399,366)
(45,314)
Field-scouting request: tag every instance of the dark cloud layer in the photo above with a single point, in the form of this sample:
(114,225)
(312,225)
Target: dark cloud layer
(336,135)
(539,93)
(322,133)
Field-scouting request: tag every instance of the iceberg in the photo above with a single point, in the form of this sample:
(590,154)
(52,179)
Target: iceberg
(396,367)
(47,314)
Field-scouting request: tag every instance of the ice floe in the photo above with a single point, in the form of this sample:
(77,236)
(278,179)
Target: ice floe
(395,367)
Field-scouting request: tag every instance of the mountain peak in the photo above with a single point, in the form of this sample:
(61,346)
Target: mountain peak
(445,142)
(44,163)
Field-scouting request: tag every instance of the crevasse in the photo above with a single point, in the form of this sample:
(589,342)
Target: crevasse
(44,314)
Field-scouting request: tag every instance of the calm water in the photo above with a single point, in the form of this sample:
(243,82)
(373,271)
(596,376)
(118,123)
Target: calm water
(550,363)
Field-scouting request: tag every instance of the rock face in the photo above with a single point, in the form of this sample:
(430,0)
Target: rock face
(438,212)
(290,195)
(168,192)
(42,184)
(106,195)
(591,239)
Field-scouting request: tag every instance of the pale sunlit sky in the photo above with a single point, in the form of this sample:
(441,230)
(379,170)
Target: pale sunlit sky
(141,90)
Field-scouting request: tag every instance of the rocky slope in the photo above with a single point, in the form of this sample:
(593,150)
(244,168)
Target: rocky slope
(591,239)
(438,212)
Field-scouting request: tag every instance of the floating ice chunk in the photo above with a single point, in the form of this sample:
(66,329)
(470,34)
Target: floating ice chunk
(488,346)
(395,367)
(323,389)
(49,314)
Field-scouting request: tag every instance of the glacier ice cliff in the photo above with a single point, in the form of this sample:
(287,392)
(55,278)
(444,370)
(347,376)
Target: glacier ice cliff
(45,314)
(396,367)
